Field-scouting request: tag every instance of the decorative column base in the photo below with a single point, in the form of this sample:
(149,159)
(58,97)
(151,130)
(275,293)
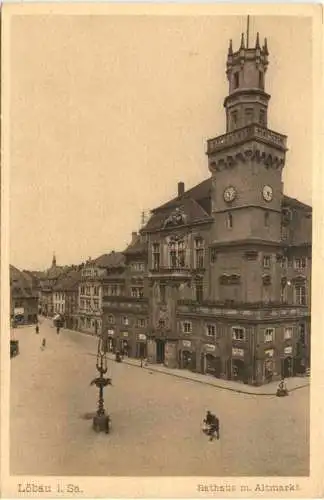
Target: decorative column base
(101,423)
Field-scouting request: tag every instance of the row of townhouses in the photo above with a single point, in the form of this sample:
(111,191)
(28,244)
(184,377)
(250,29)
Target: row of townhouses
(218,280)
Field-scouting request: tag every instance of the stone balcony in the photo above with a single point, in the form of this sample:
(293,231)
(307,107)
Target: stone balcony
(171,273)
(251,132)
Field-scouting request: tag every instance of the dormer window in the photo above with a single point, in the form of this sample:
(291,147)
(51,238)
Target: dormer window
(236,80)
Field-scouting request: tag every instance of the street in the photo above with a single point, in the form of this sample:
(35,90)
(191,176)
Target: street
(156,419)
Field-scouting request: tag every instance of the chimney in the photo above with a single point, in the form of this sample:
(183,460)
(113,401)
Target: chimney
(134,236)
(181,189)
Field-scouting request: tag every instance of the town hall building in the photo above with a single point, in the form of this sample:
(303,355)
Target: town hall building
(229,261)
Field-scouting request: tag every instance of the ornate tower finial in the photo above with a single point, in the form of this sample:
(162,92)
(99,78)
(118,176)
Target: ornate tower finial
(54,260)
(242,42)
(257,44)
(230,48)
(247,31)
(265,47)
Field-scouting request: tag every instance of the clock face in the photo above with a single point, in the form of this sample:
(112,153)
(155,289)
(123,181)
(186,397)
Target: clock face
(267,193)
(229,194)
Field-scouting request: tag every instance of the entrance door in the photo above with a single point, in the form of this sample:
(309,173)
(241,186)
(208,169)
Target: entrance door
(213,365)
(238,370)
(287,367)
(160,351)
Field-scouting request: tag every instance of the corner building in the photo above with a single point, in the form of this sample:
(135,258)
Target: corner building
(229,261)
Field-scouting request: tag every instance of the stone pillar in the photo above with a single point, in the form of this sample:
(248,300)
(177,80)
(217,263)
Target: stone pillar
(151,351)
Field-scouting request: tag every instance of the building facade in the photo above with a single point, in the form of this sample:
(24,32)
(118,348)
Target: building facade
(48,281)
(125,302)
(229,261)
(23,297)
(65,298)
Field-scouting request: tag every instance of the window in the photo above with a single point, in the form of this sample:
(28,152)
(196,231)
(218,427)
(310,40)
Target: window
(125,320)
(199,253)
(111,319)
(211,331)
(238,333)
(156,255)
(288,333)
(138,266)
(302,334)
(300,295)
(234,117)
(300,263)
(262,117)
(229,221)
(261,80)
(162,293)
(177,254)
(269,335)
(137,291)
(266,219)
(283,293)
(96,304)
(199,291)
(248,116)
(236,79)
(141,323)
(266,261)
(213,255)
(161,323)
(187,326)
(284,262)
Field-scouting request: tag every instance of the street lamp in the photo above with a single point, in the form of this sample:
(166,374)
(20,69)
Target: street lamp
(101,421)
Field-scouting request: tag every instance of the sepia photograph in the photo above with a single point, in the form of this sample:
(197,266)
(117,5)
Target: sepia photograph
(160,201)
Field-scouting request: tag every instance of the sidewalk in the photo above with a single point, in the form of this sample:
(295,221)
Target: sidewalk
(270,389)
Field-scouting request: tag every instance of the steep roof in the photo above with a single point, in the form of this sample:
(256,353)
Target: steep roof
(137,247)
(68,281)
(111,260)
(22,284)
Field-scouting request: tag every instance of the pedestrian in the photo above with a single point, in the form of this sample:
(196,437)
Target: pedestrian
(37,329)
(58,330)
(43,345)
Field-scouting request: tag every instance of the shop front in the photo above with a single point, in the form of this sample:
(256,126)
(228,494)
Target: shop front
(124,344)
(211,360)
(187,356)
(111,342)
(141,346)
(239,371)
(268,365)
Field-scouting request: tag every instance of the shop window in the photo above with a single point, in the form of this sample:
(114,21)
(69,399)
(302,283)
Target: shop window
(238,333)
(187,326)
(269,335)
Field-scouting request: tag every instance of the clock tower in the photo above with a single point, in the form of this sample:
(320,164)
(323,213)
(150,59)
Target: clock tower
(246,163)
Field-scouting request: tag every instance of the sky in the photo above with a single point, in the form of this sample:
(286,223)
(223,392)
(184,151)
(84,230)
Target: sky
(109,113)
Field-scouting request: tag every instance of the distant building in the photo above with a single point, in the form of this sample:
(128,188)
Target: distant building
(23,297)
(47,283)
(65,298)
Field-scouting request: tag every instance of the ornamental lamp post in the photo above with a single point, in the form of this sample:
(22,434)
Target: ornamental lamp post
(101,420)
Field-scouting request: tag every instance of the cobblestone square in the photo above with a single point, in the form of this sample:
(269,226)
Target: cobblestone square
(156,419)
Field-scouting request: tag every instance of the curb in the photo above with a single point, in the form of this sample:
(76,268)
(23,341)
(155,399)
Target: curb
(206,382)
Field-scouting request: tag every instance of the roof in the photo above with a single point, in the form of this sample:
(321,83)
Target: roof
(22,284)
(137,247)
(111,260)
(196,205)
(69,281)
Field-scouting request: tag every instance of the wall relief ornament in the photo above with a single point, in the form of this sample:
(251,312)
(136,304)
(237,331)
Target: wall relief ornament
(176,218)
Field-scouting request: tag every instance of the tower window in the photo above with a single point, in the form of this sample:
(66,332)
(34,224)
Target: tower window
(249,115)
(236,80)
(262,117)
(234,116)
(261,80)
(266,219)
(229,221)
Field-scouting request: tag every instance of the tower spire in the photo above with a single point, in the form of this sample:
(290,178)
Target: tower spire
(247,31)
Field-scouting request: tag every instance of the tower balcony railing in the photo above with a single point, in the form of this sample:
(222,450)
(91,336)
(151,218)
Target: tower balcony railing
(253,131)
